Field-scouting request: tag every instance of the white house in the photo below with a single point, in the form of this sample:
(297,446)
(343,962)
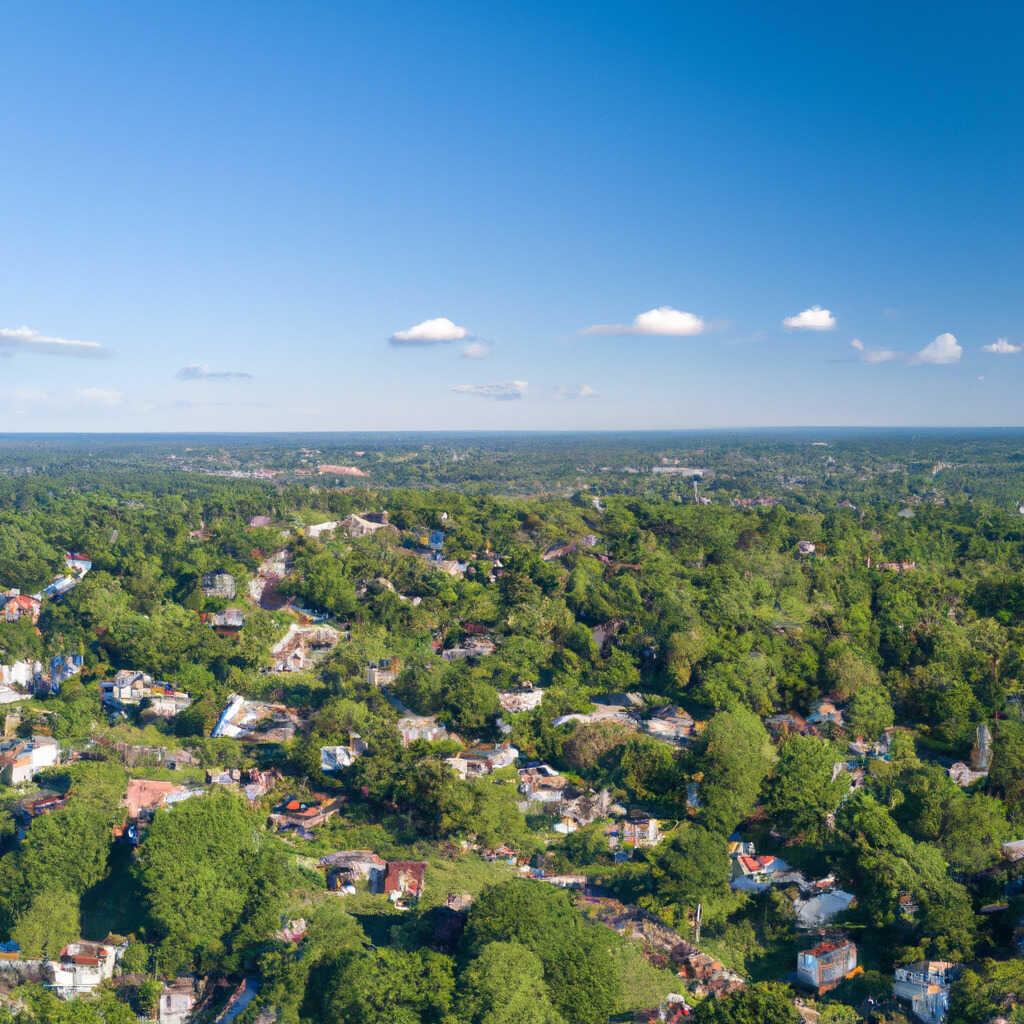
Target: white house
(21,760)
(81,967)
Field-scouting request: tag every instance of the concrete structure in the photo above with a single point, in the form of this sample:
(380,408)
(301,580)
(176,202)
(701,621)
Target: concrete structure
(17,605)
(401,878)
(333,759)
(365,525)
(21,673)
(541,783)
(317,530)
(82,967)
(421,727)
(21,760)
(670,724)
(383,672)
(254,721)
(129,688)
(176,1001)
(525,698)
(295,650)
(219,585)
(925,985)
(826,965)
(482,759)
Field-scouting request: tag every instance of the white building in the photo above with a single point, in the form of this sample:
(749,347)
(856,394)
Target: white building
(81,967)
(925,985)
(21,760)
(317,529)
(334,758)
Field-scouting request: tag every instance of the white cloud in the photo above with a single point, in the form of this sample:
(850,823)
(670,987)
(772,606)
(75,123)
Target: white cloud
(943,351)
(100,396)
(200,371)
(475,350)
(1001,347)
(24,339)
(813,319)
(503,391)
(664,320)
(874,355)
(583,391)
(430,332)
(880,355)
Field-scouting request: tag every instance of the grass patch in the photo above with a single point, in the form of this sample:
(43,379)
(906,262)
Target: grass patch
(643,986)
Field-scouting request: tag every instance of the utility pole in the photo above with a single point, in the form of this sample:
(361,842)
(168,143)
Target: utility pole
(696,923)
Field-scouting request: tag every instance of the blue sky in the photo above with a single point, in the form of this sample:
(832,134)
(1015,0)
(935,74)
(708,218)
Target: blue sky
(246,207)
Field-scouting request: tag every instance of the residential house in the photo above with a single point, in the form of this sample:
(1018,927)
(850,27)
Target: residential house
(130,687)
(639,834)
(542,783)
(671,724)
(382,673)
(17,606)
(806,547)
(482,759)
(925,985)
(228,622)
(365,525)
(470,647)
(295,651)
(317,530)
(347,866)
(176,1001)
(826,965)
(81,967)
(305,813)
(401,878)
(333,759)
(21,760)
(421,727)
(20,673)
(524,697)
(752,873)
(897,567)
(824,712)
(32,807)
(254,721)
(220,585)
(787,722)
(259,522)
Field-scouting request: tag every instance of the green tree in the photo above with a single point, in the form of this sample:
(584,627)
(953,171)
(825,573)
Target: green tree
(505,985)
(802,790)
(691,866)
(734,755)
(763,1003)
(575,956)
(49,924)
(389,986)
